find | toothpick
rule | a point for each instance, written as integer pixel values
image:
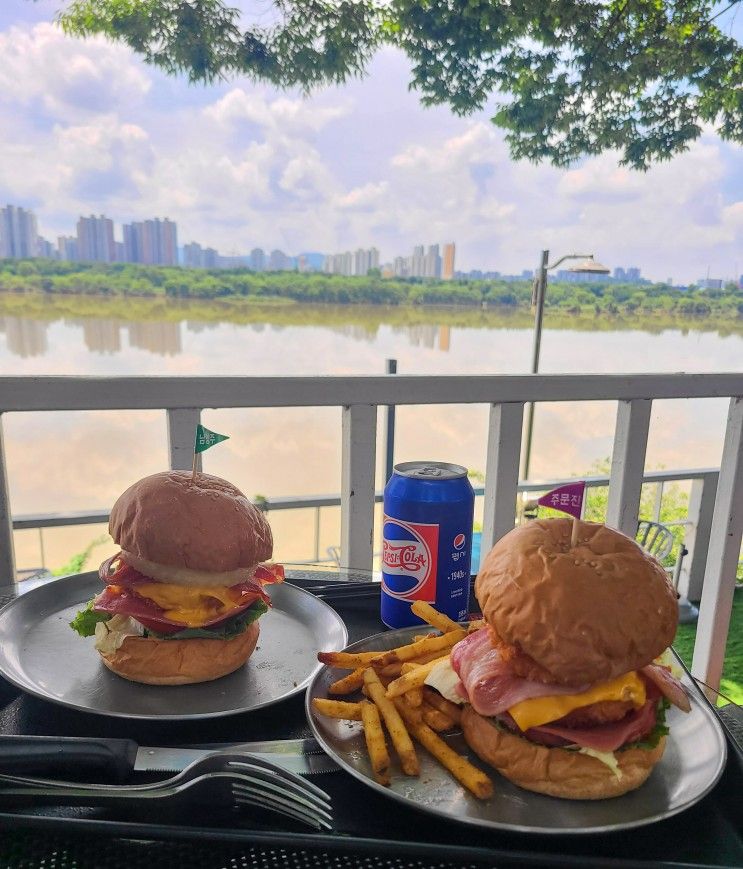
(193, 471)
(574, 535)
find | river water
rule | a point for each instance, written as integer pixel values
(77, 461)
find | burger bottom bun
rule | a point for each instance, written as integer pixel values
(555, 771)
(181, 662)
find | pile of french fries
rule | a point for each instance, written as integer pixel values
(396, 696)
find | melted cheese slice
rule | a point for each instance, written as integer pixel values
(192, 606)
(542, 710)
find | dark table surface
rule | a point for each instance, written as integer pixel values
(369, 830)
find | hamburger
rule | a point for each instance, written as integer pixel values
(567, 684)
(183, 596)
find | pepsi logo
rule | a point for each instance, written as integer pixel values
(459, 541)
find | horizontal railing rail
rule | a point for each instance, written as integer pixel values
(692, 570)
(183, 399)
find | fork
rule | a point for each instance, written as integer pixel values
(218, 761)
(254, 777)
(223, 789)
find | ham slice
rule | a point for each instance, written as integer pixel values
(128, 603)
(668, 685)
(603, 737)
(120, 596)
(488, 680)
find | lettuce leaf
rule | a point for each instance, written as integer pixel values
(224, 631)
(86, 620)
(661, 729)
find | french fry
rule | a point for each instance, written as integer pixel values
(440, 621)
(390, 670)
(395, 725)
(414, 650)
(348, 684)
(375, 744)
(418, 637)
(414, 678)
(347, 660)
(434, 718)
(463, 771)
(415, 696)
(475, 625)
(433, 698)
(337, 708)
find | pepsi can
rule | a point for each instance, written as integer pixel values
(426, 541)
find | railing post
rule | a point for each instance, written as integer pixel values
(628, 464)
(359, 433)
(389, 445)
(182, 422)
(696, 536)
(501, 472)
(317, 533)
(7, 552)
(724, 551)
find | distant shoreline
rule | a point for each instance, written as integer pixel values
(369, 318)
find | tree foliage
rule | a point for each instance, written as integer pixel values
(568, 77)
(601, 300)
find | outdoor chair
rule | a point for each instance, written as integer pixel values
(655, 538)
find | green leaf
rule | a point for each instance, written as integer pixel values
(653, 738)
(86, 620)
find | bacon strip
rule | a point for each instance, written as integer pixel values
(668, 685)
(489, 681)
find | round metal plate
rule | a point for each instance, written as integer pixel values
(42, 655)
(691, 765)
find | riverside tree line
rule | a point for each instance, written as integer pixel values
(123, 279)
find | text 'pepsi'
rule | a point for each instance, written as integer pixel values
(426, 541)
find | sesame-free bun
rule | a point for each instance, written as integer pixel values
(205, 524)
(180, 662)
(555, 771)
(585, 614)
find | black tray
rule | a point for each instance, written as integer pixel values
(368, 830)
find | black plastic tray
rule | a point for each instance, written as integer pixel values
(369, 830)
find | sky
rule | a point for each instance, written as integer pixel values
(87, 128)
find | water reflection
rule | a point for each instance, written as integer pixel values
(25, 337)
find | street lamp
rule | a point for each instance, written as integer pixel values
(587, 266)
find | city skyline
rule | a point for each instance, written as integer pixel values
(86, 127)
(155, 242)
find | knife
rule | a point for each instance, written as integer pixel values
(116, 759)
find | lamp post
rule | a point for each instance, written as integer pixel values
(588, 265)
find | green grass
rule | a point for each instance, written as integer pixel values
(732, 673)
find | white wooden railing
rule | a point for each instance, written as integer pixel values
(359, 397)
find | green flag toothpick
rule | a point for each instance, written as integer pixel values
(204, 440)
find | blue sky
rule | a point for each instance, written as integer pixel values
(85, 127)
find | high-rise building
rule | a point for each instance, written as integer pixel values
(432, 262)
(45, 249)
(278, 261)
(447, 266)
(619, 274)
(95, 239)
(417, 262)
(193, 256)
(257, 260)
(151, 242)
(67, 247)
(18, 233)
(633, 274)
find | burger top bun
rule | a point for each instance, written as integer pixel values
(207, 524)
(585, 614)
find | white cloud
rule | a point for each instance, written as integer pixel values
(85, 126)
(41, 66)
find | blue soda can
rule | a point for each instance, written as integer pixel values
(426, 541)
